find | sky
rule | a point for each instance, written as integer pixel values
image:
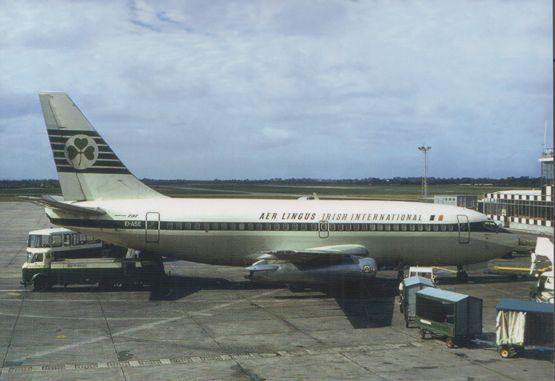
(266, 89)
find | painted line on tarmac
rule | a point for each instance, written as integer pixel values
(28, 316)
(138, 328)
(205, 358)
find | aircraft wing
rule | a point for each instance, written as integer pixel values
(54, 203)
(317, 265)
(335, 253)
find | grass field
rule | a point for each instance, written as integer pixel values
(407, 192)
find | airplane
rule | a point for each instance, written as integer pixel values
(301, 241)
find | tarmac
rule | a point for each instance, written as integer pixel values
(216, 325)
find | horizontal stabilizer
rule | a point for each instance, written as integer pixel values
(51, 202)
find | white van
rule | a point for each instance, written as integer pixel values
(424, 272)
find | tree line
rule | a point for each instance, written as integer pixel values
(523, 181)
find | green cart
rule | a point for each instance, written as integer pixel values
(453, 316)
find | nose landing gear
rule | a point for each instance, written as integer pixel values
(462, 276)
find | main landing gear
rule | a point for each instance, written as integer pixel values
(462, 276)
(400, 276)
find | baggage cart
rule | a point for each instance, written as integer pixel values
(456, 317)
(407, 303)
(522, 323)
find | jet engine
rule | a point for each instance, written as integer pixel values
(350, 269)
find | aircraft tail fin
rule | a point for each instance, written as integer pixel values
(87, 167)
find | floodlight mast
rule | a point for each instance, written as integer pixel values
(424, 148)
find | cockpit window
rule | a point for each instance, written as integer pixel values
(490, 226)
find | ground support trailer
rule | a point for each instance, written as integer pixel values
(522, 323)
(107, 272)
(456, 317)
(407, 296)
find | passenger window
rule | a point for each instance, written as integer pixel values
(314, 227)
(395, 227)
(443, 227)
(303, 227)
(372, 227)
(364, 227)
(213, 226)
(294, 226)
(387, 227)
(427, 227)
(379, 227)
(258, 226)
(275, 226)
(340, 227)
(205, 226)
(420, 227)
(67, 239)
(241, 226)
(450, 227)
(284, 226)
(356, 227)
(348, 227)
(169, 226)
(412, 227)
(187, 226)
(232, 226)
(435, 227)
(223, 226)
(178, 226)
(196, 226)
(403, 227)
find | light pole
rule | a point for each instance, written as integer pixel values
(425, 149)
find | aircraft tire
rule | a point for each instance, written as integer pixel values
(296, 287)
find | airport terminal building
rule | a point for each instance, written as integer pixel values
(528, 210)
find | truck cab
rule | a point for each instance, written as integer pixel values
(543, 291)
(41, 246)
(423, 272)
(38, 259)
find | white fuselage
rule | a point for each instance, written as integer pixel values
(235, 232)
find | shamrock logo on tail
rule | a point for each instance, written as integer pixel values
(81, 151)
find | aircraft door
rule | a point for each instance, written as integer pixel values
(323, 229)
(152, 227)
(464, 228)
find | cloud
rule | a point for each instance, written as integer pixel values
(240, 89)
